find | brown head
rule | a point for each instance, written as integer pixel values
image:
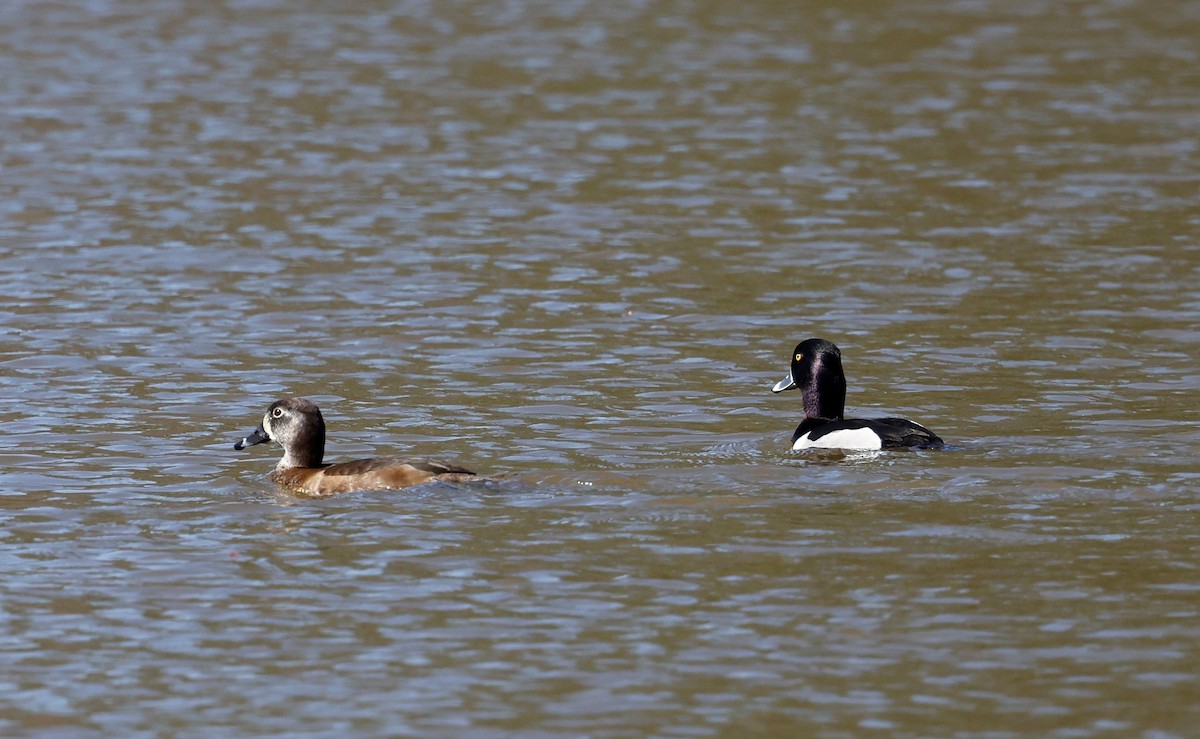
(297, 425)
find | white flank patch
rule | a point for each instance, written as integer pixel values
(863, 438)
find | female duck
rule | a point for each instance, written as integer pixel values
(298, 426)
(817, 371)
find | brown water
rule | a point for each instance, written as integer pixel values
(571, 244)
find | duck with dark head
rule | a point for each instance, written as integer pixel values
(816, 369)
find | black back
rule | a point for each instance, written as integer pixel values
(894, 433)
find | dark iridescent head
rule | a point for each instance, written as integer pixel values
(817, 371)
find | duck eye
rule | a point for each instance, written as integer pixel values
(277, 413)
(799, 357)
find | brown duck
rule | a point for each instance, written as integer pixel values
(297, 425)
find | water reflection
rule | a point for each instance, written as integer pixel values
(566, 243)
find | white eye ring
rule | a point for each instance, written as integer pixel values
(277, 413)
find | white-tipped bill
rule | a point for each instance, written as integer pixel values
(786, 383)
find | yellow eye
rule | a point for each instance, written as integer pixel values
(799, 357)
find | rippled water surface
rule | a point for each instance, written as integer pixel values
(571, 245)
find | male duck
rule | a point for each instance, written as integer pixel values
(297, 425)
(817, 371)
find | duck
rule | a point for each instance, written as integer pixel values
(816, 369)
(297, 425)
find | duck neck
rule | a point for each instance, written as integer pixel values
(825, 390)
(304, 450)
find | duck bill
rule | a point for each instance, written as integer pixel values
(786, 383)
(257, 436)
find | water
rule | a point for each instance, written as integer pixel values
(571, 245)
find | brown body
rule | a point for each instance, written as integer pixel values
(367, 474)
(298, 426)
